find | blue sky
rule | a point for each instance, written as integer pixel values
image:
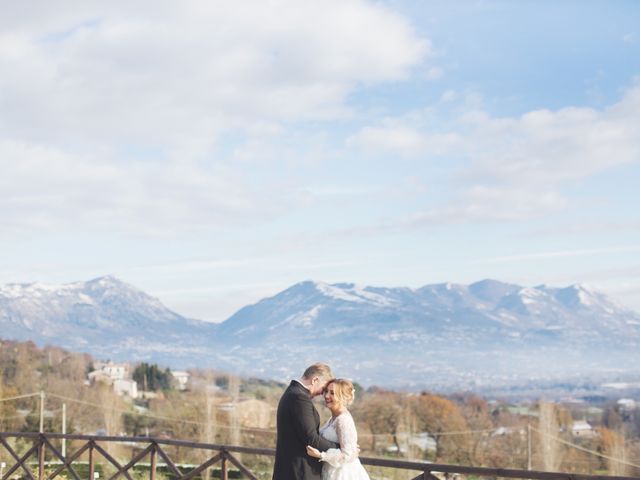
(215, 153)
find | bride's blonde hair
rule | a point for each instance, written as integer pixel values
(343, 389)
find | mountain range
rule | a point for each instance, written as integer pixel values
(443, 336)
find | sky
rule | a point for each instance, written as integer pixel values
(215, 153)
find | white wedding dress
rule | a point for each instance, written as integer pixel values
(342, 463)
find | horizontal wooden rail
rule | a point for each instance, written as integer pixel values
(223, 454)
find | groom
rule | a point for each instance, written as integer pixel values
(297, 425)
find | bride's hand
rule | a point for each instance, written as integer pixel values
(313, 452)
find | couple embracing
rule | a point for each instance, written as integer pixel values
(304, 451)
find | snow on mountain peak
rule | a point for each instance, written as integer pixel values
(584, 297)
(469, 325)
(530, 295)
(108, 283)
(530, 292)
(350, 292)
(304, 319)
(580, 296)
(492, 290)
(11, 290)
(39, 288)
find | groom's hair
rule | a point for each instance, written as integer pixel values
(321, 370)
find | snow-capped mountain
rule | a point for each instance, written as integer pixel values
(449, 335)
(439, 336)
(104, 316)
(483, 308)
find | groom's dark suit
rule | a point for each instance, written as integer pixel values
(298, 423)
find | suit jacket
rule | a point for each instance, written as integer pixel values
(297, 424)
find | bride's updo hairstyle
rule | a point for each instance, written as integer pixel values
(343, 389)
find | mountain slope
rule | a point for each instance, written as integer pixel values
(444, 336)
(104, 316)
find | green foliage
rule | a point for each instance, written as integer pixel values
(222, 382)
(152, 378)
(138, 425)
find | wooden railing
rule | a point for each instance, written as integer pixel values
(154, 448)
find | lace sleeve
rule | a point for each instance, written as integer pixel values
(348, 439)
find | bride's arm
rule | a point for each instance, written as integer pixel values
(348, 439)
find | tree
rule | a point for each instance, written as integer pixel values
(210, 425)
(613, 446)
(10, 420)
(551, 450)
(234, 393)
(152, 378)
(27, 359)
(475, 411)
(382, 414)
(612, 419)
(443, 420)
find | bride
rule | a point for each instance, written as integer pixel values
(342, 463)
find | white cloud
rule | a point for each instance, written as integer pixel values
(539, 147)
(546, 147)
(434, 73)
(563, 254)
(48, 189)
(581, 228)
(181, 75)
(448, 96)
(514, 167)
(404, 140)
(189, 91)
(265, 263)
(481, 204)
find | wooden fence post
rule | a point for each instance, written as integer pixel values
(41, 452)
(154, 462)
(224, 469)
(92, 463)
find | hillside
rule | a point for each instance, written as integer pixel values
(445, 336)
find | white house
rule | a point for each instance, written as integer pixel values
(626, 404)
(424, 442)
(126, 387)
(100, 376)
(117, 375)
(181, 378)
(113, 371)
(582, 428)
